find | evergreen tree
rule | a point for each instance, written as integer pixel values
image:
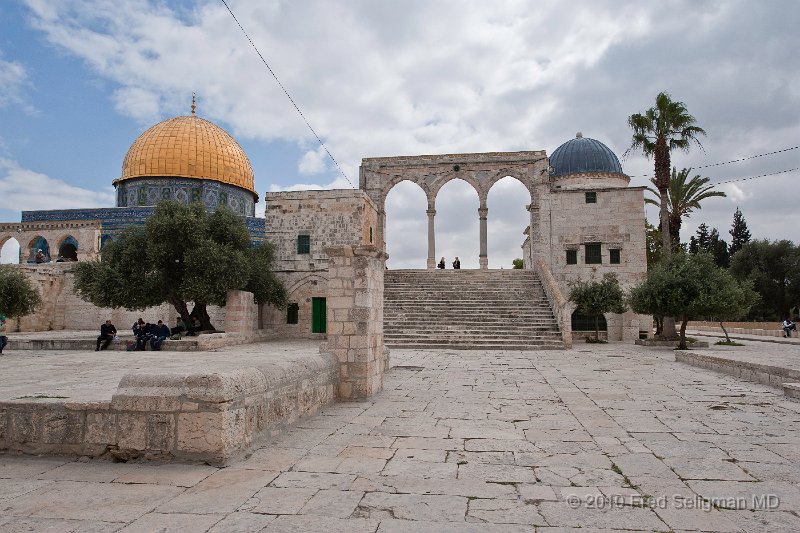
(702, 236)
(740, 235)
(718, 249)
(694, 247)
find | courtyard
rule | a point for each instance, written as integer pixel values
(600, 438)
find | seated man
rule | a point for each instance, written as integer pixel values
(160, 333)
(3, 338)
(107, 332)
(142, 331)
(179, 328)
(788, 327)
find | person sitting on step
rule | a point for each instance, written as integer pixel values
(441, 263)
(107, 333)
(160, 333)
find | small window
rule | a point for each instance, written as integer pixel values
(614, 256)
(292, 314)
(370, 234)
(572, 257)
(303, 244)
(593, 256)
(591, 197)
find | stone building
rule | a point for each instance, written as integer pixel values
(585, 220)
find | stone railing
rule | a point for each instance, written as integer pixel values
(194, 416)
(766, 326)
(558, 302)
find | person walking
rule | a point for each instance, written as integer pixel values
(457, 264)
(107, 333)
(441, 263)
(3, 338)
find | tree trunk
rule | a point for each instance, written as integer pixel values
(661, 159)
(659, 325)
(201, 313)
(725, 331)
(682, 343)
(596, 328)
(182, 309)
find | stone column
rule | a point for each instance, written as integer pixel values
(355, 319)
(431, 239)
(241, 313)
(483, 258)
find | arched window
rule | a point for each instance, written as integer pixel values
(68, 249)
(38, 244)
(583, 322)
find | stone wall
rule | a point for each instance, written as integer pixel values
(209, 417)
(562, 220)
(329, 218)
(85, 233)
(62, 309)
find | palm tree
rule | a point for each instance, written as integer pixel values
(683, 197)
(657, 132)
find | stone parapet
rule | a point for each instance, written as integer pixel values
(774, 376)
(202, 416)
(355, 319)
(558, 303)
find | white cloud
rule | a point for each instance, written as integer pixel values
(13, 81)
(22, 189)
(313, 162)
(388, 78)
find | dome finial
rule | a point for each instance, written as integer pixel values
(579, 135)
(194, 104)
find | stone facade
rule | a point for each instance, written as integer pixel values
(327, 218)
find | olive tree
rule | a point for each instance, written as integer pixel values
(595, 298)
(181, 254)
(18, 296)
(690, 287)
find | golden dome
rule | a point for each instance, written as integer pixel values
(188, 147)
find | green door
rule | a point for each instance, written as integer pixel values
(319, 315)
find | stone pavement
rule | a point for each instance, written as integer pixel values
(599, 438)
(772, 351)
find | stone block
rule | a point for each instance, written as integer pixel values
(25, 427)
(160, 432)
(215, 436)
(62, 427)
(101, 428)
(132, 431)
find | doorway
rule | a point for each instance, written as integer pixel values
(319, 315)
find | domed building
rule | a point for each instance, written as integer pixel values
(187, 159)
(586, 162)
(184, 158)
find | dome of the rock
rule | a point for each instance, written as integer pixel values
(582, 155)
(188, 147)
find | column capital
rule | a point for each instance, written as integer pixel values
(483, 212)
(431, 212)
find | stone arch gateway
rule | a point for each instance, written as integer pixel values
(378, 175)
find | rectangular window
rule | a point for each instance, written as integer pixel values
(591, 197)
(593, 253)
(614, 256)
(304, 244)
(572, 257)
(292, 314)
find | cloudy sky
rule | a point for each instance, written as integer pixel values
(81, 79)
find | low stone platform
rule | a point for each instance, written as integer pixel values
(669, 344)
(87, 341)
(777, 367)
(206, 407)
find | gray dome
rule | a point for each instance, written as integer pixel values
(580, 155)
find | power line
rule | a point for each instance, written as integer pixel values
(732, 161)
(756, 177)
(287, 94)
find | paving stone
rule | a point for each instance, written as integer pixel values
(96, 471)
(20, 487)
(314, 480)
(504, 512)
(316, 524)
(179, 475)
(275, 500)
(497, 473)
(617, 517)
(222, 492)
(110, 502)
(16, 524)
(333, 503)
(380, 505)
(172, 523)
(407, 526)
(242, 521)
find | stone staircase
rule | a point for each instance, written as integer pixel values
(468, 309)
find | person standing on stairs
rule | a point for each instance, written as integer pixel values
(457, 264)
